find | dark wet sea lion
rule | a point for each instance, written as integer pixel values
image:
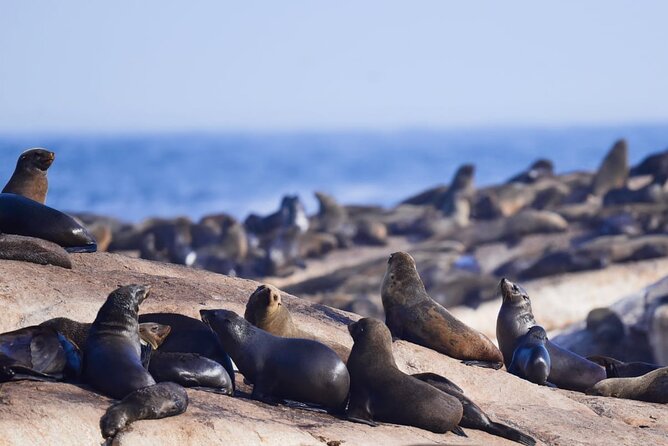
(33, 250)
(29, 177)
(473, 416)
(281, 368)
(655, 164)
(614, 170)
(651, 387)
(568, 370)
(150, 403)
(530, 360)
(39, 354)
(189, 335)
(379, 391)
(265, 310)
(190, 370)
(23, 216)
(619, 369)
(412, 315)
(542, 168)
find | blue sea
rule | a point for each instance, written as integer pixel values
(135, 176)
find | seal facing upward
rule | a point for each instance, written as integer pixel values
(29, 177)
(411, 314)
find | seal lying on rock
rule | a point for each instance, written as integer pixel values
(265, 310)
(619, 369)
(473, 416)
(412, 315)
(38, 354)
(33, 250)
(531, 361)
(29, 177)
(22, 216)
(112, 365)
(651, 387)
(281, 368)
(379, 391)
(568, 370)
(191, 370)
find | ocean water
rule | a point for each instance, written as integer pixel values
(133, 177)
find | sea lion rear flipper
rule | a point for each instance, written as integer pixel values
(458, 431)
(484, 364)
(501, 430)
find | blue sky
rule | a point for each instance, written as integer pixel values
(297, 65)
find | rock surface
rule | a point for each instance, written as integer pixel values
(40, 413)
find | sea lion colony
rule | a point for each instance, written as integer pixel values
(147, 367)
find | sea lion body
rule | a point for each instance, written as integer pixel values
(33, 250)
(531, 360)
(651, 387)
(265, 310)
(379, 391)
(568, 370)
(23, 216)
(613, 171)
(29, 177)
(412, 315)
(112, 363)
(281, 368)
(39, 354)
(619, 369)
(190, 370)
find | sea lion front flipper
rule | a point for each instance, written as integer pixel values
(550, 385)
(304, 406)
(459, 431)
(81, 249)
(227, 392)
(484, 364)
(362, 421)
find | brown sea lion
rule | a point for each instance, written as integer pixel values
(379, 391)
(614, 170)
(651, 387)
(33, 250)
(29, 177)
(414, 316)
(265, 310)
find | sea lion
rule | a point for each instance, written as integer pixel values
(651, 387)
(605, 325)
(150, 403)
(189, 335)
(412, 315)
(658, 331)
(191, 370)
(473, 416)
(614, 170)
(379, 391)
(112, 351)
(655, 164)
(542, 168)
(38, 354)
(568, 370)
(300, 370)
(33, 250)
(265, 310)
(530, 360)
(22, 216)
(331, 217)
(291, 212)
(29, 177)
(456, 201)
(619, 369)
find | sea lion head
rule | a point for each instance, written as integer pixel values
(230, 328)
(154, 333)
(513, 294)
(610, 387)
(371, 336)
(263, 303)
(35, 159)
(129, 297)
(402, 283)
(537, 333)
(463, 178)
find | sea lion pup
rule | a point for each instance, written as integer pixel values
(265, 310)
(29, 177)
(619, 369)
(614, 170)
(379, 391)
(530, 360)
(568, 370)
(113, 367)
(38, 354)
(22, 216)
(299, 370)
(33, 250)
(473, 416)
(191, 370)
(412, 315)
(651, 387)
(189, 335)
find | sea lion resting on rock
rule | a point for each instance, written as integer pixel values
(568, 370)
(531, 361)
(412, 315)
(619, 369)
(651, 387)
(23, 216)
(379, 391)
(265, 310)
(300, 370)
(33, 250)
(38, 354)
(112, 365)
(29, 177)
